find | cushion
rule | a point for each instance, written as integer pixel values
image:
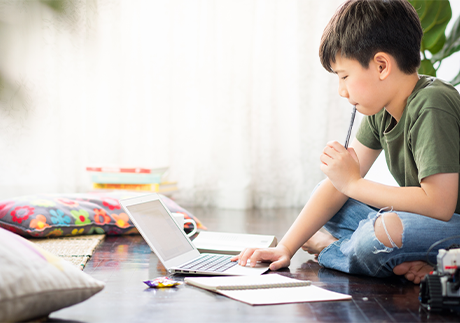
(34, 283)
(54, 215)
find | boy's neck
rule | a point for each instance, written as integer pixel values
(402, 87)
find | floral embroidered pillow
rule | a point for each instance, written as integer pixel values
(55, 215)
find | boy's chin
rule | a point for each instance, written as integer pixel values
(368, 112)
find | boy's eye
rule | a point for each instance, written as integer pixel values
(344, 77)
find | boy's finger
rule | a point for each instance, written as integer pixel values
(329, 151)
(255, 258)
(235, 258)
(262, 255)
(325, 159)
(244, 256)
(274, 266)
(335, 145)
(241, 256)
(277, 265)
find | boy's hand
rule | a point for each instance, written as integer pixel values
(279, 257)
(340, 165)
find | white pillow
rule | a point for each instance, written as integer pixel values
(34, 283)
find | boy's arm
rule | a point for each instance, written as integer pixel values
(436, 198)
(325, 202)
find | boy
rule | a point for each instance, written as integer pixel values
(374, 48)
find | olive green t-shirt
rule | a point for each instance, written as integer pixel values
(426, 141)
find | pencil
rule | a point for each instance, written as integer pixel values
(353, 113)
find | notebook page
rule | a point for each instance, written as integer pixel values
(284, 295)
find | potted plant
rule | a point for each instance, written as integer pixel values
(436, 46)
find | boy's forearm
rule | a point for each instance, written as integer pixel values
(408, 199)
(322, 206)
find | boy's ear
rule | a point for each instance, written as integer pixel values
(383, 64)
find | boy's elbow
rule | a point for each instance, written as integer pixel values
(440, 209)
(443, 213)
(446, 217)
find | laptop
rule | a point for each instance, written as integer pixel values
(172, 246)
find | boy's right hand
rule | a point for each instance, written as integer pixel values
(279, 257)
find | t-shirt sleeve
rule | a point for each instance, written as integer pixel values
(368, 134)
(434, 143)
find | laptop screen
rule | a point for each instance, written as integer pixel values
(160, 229)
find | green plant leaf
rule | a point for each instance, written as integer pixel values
(435, 22)
(420, 6)
(56, 5)
(431, 38)
(452, 43)
(426, 68)
(429, 16)
(437, 47)
(456, 80)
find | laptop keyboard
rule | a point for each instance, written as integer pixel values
(212, 263)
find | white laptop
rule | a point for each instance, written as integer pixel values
(172, 246)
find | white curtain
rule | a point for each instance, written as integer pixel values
(230, 94)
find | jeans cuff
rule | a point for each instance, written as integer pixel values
(324, 251)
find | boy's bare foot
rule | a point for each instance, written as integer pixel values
(414, 271)
(318, 242)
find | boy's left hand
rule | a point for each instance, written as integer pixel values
(340, 165)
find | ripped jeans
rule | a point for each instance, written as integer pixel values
(358, 251)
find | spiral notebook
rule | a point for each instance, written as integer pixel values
(266, 289)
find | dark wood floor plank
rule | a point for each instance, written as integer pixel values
(124, 262)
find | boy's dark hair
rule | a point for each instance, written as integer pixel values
(361, 28)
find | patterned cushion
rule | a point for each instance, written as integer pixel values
(55, 215)
(34, 283)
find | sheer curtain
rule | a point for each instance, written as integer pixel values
(229, 94)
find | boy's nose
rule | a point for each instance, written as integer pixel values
(343, 92)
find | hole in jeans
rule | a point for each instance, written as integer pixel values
(389, 229)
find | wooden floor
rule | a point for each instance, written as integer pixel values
(124, 262)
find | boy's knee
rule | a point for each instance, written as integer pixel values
(388, 227)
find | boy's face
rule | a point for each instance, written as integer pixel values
(362, 87)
